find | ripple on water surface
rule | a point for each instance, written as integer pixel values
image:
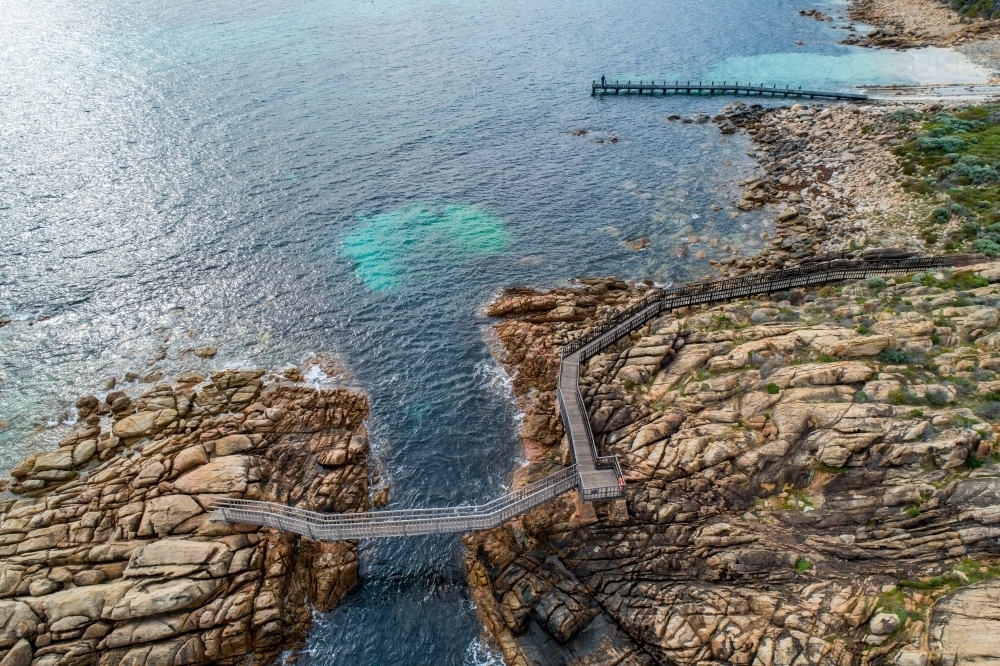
(283, 177)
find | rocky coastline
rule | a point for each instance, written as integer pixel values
(812, 479)
(917, 23)
(107, 552)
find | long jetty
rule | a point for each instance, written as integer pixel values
(713, 88)
(596, 477)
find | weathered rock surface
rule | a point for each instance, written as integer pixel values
(917, 23)
(786, 483)
(965, 626)
(109, 557)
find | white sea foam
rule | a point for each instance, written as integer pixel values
(491, 376)
(481, 653)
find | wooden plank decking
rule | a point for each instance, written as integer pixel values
(616, 87)
(597, 477)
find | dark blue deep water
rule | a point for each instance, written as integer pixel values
(359, 178)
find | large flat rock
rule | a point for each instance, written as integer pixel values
(965, 626)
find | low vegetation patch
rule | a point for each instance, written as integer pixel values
(955, 158)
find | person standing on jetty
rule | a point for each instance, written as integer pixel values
(602, 79)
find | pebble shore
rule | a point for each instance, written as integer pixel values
(830, 178)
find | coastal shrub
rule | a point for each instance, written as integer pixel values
(940, 215)
(788, 314)
(892, 356)
(970, 228)
(773, 389)
(904, 396)
(946, 124)
(861, 397)
(988, 410)
(979, 175)
(928, 280)
(963, 386)
(937, 397)
(987, 246)
(965, 280)
(803, 565)
(758, 316)
(721, 322)
(904, 116)
(981, 375)
(876, 283)
(944, 144)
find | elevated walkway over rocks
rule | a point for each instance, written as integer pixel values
(596, 477)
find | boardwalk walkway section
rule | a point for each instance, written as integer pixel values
(713, 88)
(597, 477)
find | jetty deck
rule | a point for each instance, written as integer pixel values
(596, 477)
(714, 88)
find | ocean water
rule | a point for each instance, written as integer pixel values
(358, 178)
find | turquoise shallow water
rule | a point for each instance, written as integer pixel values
(359, 178)
(399, 246)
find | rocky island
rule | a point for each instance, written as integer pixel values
(108, 554)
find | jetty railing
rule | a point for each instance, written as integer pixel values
(403, 522)
(713, 88)
(597, 477)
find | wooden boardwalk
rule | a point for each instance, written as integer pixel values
(597, 477)
(725, 88)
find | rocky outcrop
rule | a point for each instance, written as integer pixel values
(830, 178)
(805, 482)
(917, 23)
(107, 552)
(965, 627)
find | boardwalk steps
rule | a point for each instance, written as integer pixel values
(713, 88)
(597, 477)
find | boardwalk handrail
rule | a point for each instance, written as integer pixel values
(724, 88)
(405, 522)
(597, 477)
(750, 284)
